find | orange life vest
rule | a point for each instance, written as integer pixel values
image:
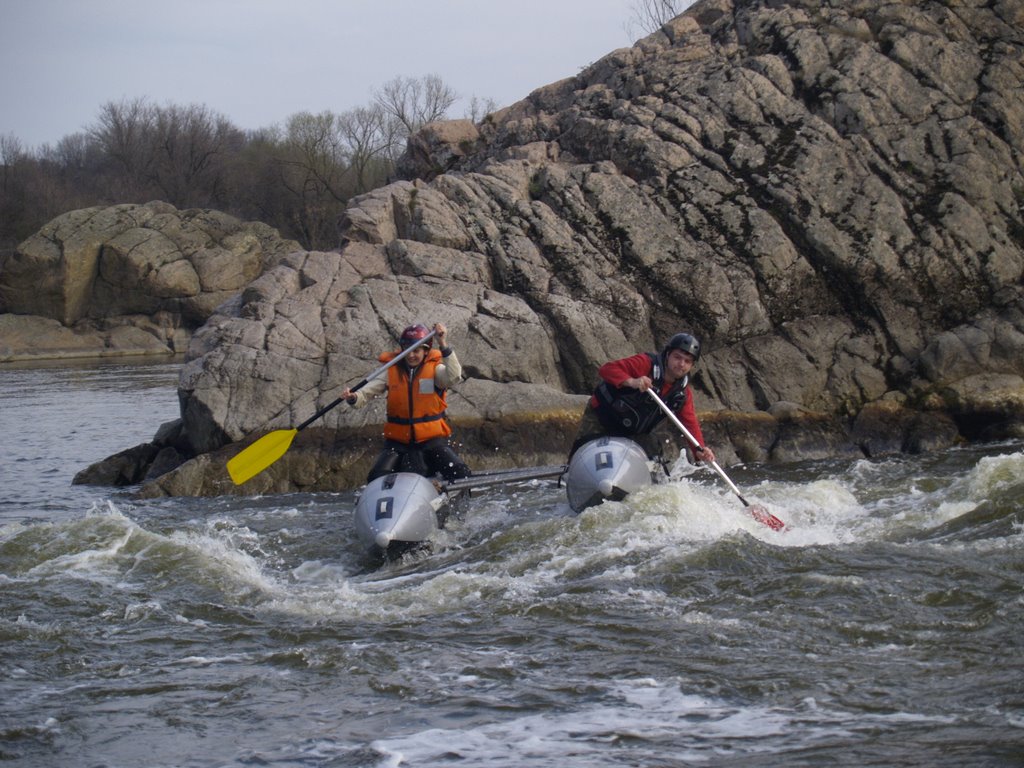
(416, 407)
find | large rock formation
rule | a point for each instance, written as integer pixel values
(828, 192)
(126, 279)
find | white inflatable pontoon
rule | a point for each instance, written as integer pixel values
(606, 468)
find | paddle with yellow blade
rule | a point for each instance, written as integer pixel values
(272, 446)
(759, 513)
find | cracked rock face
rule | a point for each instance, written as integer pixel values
(828, 193)
(126, 279)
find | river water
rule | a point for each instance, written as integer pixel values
(882, 628)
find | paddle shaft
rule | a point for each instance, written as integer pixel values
(695, 444)
(367, 380)
(273, 445)
(485, 479)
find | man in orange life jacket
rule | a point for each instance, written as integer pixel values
(619, 408)
(417, 430)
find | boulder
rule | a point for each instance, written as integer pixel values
(127, 279)
(437, 147)
(827, 193)
(26, 338)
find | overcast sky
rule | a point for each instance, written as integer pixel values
(260, 61)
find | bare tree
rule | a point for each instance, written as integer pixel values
(11, 150)
(12, 155)
(363, 131)
(296, 178)
(255, 187)
(75, 152)
(13, 204)
(479, 108)
(122, 132)
(313, 171)
(318, 152)
(409, 104)
(189, 147)
(650, 15)
(414, 103)
(69, 175)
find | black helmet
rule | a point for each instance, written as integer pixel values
(414, 333)
(684, 342)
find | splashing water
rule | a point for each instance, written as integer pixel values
(881, 626)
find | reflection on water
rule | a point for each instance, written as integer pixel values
(58, 420)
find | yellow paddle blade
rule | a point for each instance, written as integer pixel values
(260, 455)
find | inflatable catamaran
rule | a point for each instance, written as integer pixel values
(403, 509)
(399, 511)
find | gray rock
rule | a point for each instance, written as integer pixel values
(437, 147)
(828, 193)
(127, 279)
(27, 338)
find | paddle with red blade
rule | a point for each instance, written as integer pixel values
(758, 512)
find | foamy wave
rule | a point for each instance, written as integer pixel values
(645, 717)
(107, 546)
(996, 475)
(530, 563)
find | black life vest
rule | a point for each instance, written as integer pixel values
(627, 411)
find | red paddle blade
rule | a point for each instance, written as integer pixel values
(765, 517)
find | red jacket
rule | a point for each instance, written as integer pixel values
(617, 371)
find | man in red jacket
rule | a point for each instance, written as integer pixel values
(619, 407)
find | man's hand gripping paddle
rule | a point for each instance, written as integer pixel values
(759, 513)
